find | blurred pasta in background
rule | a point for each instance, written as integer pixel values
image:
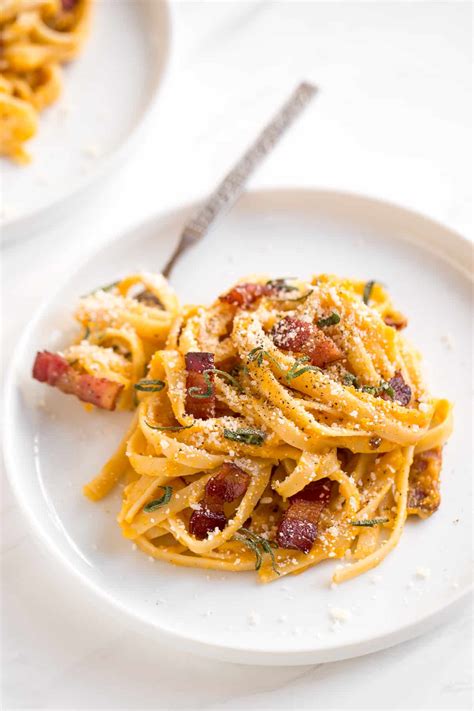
(36, 37)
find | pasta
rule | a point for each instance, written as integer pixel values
(285, 424)
(36, 37)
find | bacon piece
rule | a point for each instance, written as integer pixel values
(423, 483)
(299, 526)
(402, 391)
(68, 5)
(203, 521)
(200, 407)
(294, 334)
(229, 483)
(322, 350)
(244, 295)
(53, 369)
(291, 334)
(396, 320)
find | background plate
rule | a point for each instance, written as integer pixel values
(107, 91)
(52, 446)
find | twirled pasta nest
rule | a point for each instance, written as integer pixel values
(285, 424)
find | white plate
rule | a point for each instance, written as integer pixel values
(107, 91)
(51, 452)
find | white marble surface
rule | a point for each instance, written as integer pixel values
(392, 120)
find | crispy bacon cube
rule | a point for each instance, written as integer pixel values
(244, 295)
(199, 404)
(298, 528)
(53, 369)
(423, 483)
(396, 320)
(204, 521)
(228, 484)
(295, 334)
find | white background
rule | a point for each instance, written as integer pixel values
(392, 120)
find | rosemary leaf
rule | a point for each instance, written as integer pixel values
(295, 371)
(245, 436)
(149, 386)
(302, 297)
(331, 320)
(162, 501)
(169, 428)
(228, 376)
(282, 284)
(197, 392)
(258, 354)
(370, 522)
(369, 285)
(350, 379)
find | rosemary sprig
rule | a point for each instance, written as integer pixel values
(370, 522)
(369, 285)
(258, 545)
(295, 371)
(149, 386)
(245, 435)
(331, 320)
(197, 393)
(162, 501)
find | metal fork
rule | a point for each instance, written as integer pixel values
(232, 185)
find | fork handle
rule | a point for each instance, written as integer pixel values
(232, 185)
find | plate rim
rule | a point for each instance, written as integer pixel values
(11, 229)
(235, 653)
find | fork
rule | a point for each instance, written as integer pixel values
(232, 185)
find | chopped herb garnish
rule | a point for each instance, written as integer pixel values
(350, 379)
(246, 435)
(295, 371)
(258, 354)
(329, 321)
(87, 333)
(378, 390)
(162, 501)
(370, 389)
(370, 522)
(369, 285)
(258, 545)
(303, 297)
(197, 392)
(228, 376)
(149, 386)
(169, 428)
(237, 369)
(386, 388)
(282, 285)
